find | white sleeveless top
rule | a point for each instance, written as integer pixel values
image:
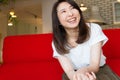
(80, 55)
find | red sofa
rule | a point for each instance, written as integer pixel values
(29, 57)
(112, 49)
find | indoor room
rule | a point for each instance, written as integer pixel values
(26, 29)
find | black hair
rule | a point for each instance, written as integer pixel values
(59, 33)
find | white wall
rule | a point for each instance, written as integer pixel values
(46, 15)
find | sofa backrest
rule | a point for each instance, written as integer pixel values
(112, 48)
(27, 48)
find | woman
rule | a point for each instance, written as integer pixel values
(78, 45)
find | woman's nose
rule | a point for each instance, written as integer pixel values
(70, 13)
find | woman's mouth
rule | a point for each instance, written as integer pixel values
(72, 20)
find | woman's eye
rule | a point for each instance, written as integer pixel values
(63, 11)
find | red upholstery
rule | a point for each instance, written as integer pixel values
(46, 70)
(112, 49)
(27, 48)
(29, 57)
(113, 45)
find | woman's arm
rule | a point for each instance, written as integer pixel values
(94, 62)
(72, 75)
(95, 56)
(67, 66)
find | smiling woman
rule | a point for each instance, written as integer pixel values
(77, 45)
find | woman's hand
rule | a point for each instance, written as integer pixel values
(91, 76)
(86, 76)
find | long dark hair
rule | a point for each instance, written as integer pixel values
(59, 33)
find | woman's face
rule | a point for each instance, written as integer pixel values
(68, 16)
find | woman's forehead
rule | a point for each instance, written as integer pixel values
(63, 5)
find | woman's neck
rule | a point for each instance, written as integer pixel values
(72, 36)
(72, 33)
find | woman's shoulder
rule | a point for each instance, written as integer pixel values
(94, 26)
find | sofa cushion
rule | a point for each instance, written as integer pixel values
(27, 48)
(31, 71)
(112, 47)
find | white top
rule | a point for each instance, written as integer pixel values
(80, 55)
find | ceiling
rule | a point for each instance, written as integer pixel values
(24, 9)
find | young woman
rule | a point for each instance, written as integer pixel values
(78, 45)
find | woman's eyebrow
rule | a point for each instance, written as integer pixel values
(65, 8)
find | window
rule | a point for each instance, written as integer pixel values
(116, 12)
